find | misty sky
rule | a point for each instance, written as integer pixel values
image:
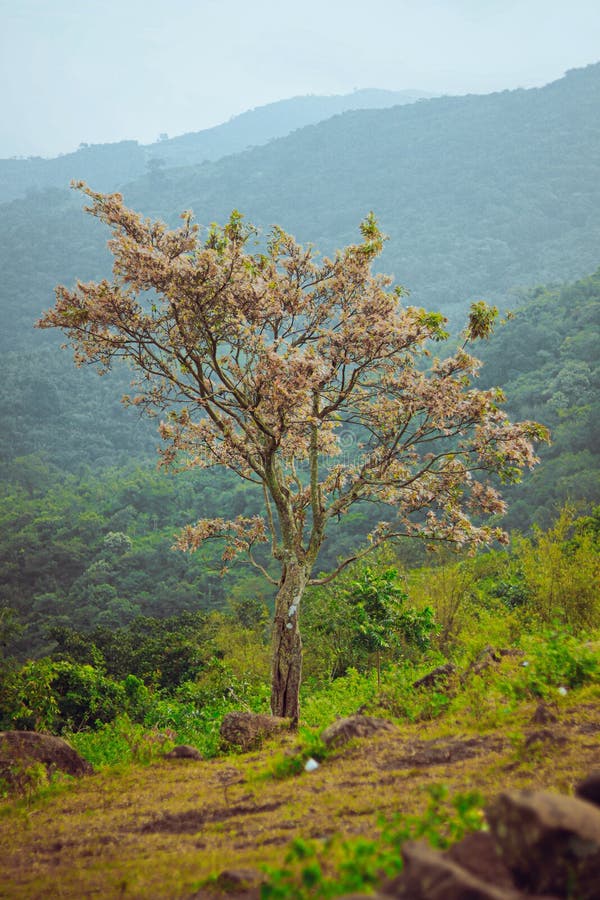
(104, 70)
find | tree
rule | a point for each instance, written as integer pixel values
(305, 377)
(379, 618)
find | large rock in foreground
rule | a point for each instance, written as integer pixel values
(430, 875)
(19, 750)
(551, 843)
(248, 730)
(541, 846)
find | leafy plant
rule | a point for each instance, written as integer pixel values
(380, 619)
(557, 659)
(293, 762)
(334, 867)
(560, 570)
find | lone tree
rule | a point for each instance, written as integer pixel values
(262, 358)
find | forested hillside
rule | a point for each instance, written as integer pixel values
(479, 195)
(93, 547)
(109, 165)
(547, 359)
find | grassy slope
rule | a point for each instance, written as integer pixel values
(163, 830)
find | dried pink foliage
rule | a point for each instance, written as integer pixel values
(305, 376)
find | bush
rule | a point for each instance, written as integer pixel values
(557, 659)
(561, 568)
(52, 696)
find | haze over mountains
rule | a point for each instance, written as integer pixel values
(482, 196)
(479, 194)
(108, 165)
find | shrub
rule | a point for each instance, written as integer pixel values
(561, 568)
(334, 867)
(557, 659)
(52, 696)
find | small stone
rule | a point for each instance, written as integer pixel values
(310, 765)
(238, 880)
(248, 730)
(344, 730)
(183, 751)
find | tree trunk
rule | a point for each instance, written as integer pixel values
(286, 673)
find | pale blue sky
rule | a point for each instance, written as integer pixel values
(105, 70)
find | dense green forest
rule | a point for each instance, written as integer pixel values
(87, 520)
(546, 360)
(126, 646)
(89, 543)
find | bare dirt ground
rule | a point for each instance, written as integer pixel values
(164, 830)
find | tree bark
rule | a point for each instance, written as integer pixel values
(286, 673)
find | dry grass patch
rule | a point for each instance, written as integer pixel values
(161, 831)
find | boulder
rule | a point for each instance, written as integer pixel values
(431, 875)
(235, 881)
(21, 749)
(344, 730)
(589, 789)
(435, 677)
(550, 842)
(478, 854)
(248, 730)
(183, 751)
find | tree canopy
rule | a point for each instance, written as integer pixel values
(306, 376)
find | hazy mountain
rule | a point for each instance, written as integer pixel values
(477, 193)
(109, 165)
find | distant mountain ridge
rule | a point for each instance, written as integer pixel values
(478, 193)
(109, 165)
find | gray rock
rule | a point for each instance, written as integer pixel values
(430, 875)
(344, 730)
(248, 730)
(183, 751)
(21, 749)
(550, 843)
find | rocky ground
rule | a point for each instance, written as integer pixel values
(183, 827)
